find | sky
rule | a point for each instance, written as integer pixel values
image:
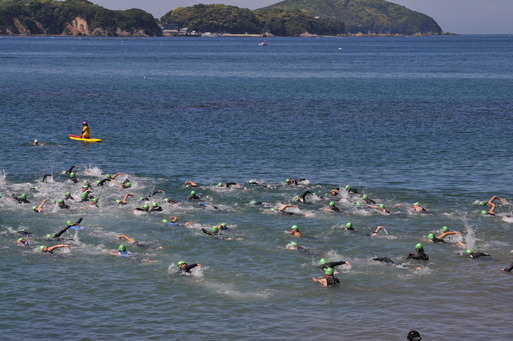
(456, 16)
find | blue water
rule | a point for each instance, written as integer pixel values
(400, 119)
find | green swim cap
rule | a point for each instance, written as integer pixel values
(42, 247)
(142, 198)
(24, 196)
(314, 194)
(287, 180)
(86, 186)
(180, 263)
(37, 187)
(293, 243)
(98, 181)
(332, 203)
(431, 236)
(365, 197)
(329, 271)
(68, 194)
(95, 199)
(322, 261)
(251, 182)
(128, 184)
(83, 195)
(85, 181)
(348, 187)
(468, 251)
(252, 202)
(445, 229)
(419, 246)
(49, 236)
(484, 211)
(69, 222)
(294, 227)
(118, 201)
(166, 199)
(482, 203)
(61, 200)
(417, 204)
(72, 175)
(220, 184)
(34, 208)
(146, 206)
(272, 209)
(223, 224)
(349, 225)
(122, 247)
(54, 201)
(215, 229)
(165, 221)
(21, 239)
(296, 198)
(358, 203)
(193, 192)
(155, 204)
(108, 176)
(382, 206)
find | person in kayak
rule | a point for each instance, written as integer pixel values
(85, 131)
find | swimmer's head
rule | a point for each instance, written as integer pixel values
(54, 201)
(146, 206)
(142, 198)
(220, 184)
(86, 186)
(296, 198)
(166, 199)
(42, 248)
(413, 336)
(95, 199)
(98, 181)
(84, 123)
(332, 204)
(365, 197)
(122, 248)
(358, 203)
(68, 194)
(165, 221)
(272, 209)
(128, 184)
(61, 201)
(482, 203)
(419, 246)
(215, 229)
(84, 195)
(34, 208)
(382, 206)
(293, 243)
(445, 229)
(193, 192)
(294, 227)
(252, 182)
(322, 261)
(48, 236)
(416, 204)
(431, 236)
(349, 225)
(108, 176)
(35, 141)
(180, 263)
(329, 271)
(24, 196)
(347, 187)
(287, 180)
(252, 202)
(223, 224)
(69, 222)
(468, 251)
(155, 204)
(72, 174)
(484, 211)
(118, 201)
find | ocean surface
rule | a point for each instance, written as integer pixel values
(402, 120)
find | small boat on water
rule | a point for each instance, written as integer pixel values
(263, 43)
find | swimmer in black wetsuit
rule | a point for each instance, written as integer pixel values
(193, 196)
(381, 207)
(67, 195)
(62, 204)
(440, 238)
(69, 223)
(184, 268)
(284, 207)
(297, 182)
(335, 191)
(294, 230)
(473, 254)
(351, 190)
(72, 178)
(509, 268)
(171, 201)
(331, 207)
(70, 170)
(22, 242)
(295, 246)
(24, 232)
(46, 176)
(44, 248)
(145, 208)
(324, 264)
(349, 227)
(419, 248)
(155, 207)
(85, 196)
(125, 184)
(367, 200)
(254, 183)
(124, 200)
(22, 199)
(109, 178)
(330, 280)
(215, 231)
(302, 197)
(149, 196)
(389, 261)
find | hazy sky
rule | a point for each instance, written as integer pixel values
(457, 16)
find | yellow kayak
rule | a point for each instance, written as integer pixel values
(78, 138)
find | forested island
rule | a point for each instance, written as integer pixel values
(287, 18)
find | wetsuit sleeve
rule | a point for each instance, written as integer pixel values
(189, 267)
(71, 169)
(333, 264)
(17, 199)
(61, 232)
(79, 221)
(207, 232)
(509, 268)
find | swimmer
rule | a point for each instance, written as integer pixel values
(67, 195)
(413, 336)
(445, 233)
(69, 223)
(190, 184)
(228, 185)
(330, 280)
(84, 197)
(489, 202)
(62, 204)
(37, 143)
(94, 202)
(419, 248)
(389, 261)
(22, 242)
(294, 230)
(124, 200)
(381, 208)
(295, 246)
(85, 131)
(509, 268)
(193, 196)
(254, 183)
(284, 207)
(22, 199)
(152, 194)
(324, 264)
(418, 208)
(171, 201)
(351, 190)
(109, 178)
(70, 170)
(302, 197)
(46, 176)
(184, 268)
(491, 211)
(473, 254)
(122, 252)
(174, 221)
(132, 240)
(44, 248)
(223, 226)
(335, 191)
(125, 184)
(145, 208)
(24, 232)
(331, 207)
(72, 178)
(215, 231)
(367, 200)
(297, 182)
(207, 205)
(349, 227)
(39, 209)
(155, 207)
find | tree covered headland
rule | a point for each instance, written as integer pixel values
(231, 19)
(57, 17)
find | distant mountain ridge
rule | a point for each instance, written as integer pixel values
(366, 16)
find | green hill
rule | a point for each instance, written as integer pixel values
(366, 16)
(73, 17)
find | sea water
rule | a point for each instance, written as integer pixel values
(424, 119)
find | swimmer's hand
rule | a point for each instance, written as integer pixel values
(348, 264)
